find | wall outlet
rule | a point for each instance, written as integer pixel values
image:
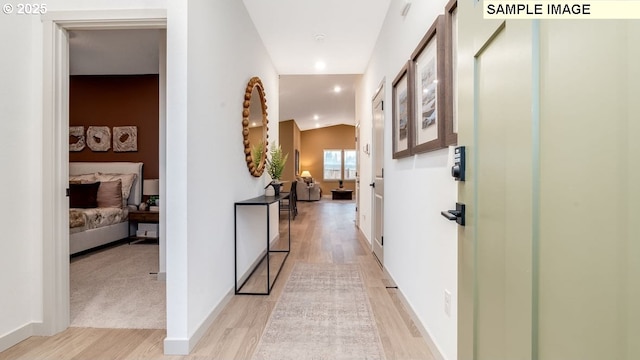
(447, 302)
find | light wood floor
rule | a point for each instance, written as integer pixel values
(323, 232)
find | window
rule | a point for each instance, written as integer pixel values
(332, 164)
(339, 165)
(350, 165)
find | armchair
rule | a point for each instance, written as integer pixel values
(308, 192)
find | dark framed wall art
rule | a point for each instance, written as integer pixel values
(402, 113)
(427, 67)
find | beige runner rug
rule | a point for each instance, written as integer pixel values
(323, 313)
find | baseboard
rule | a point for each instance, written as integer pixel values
(433, 347)
(14, 337)
(176, 346)
(435, 350)
(185, 346)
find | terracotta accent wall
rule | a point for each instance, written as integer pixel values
(314, 142)
(289, 137)
(121, 100)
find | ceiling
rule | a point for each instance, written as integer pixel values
(313, 102)
(299, 33)
(296, 34)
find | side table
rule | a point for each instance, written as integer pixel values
(136, 217)
(257, 220)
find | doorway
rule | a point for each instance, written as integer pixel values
(56, 313)
(114, 86)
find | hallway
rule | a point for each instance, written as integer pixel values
(323, 232)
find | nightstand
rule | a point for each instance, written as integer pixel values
(149, 217)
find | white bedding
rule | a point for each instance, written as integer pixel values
(99, 217)
(99, 226)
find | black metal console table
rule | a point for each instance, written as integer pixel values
(263, 258)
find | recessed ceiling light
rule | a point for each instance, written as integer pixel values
(316, 117)
(337, 88)
(320, 65)
(317, 125)
(253, 123)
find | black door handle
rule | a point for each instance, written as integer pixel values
(457, 214)
(373, 184)
(451, 214)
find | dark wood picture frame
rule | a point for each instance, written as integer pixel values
(450, 117)
(402, 111)
(429, 84)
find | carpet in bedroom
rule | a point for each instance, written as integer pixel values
(113, 288)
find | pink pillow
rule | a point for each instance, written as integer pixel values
(110, 194)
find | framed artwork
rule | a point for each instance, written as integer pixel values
(427, 70)
(451, 66)
(402, 113)
(99, 138)
(297, 163)
(76, 138)
(125, 138)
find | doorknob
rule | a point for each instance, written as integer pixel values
(373, 184)
(451, 214)
(457, 214)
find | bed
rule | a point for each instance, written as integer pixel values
(91, 225)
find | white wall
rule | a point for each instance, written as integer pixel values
(214, 51)
(420, 246)
(21, 161)
(20, 138)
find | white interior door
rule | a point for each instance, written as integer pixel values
(548, 261)
(378, 172)
(495, 248)
(358, 175)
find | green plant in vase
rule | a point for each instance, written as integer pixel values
(275, 165)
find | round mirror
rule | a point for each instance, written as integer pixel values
(254, 126)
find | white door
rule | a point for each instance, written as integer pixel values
(358, 175)
(503, 175)
(548, 262)
(378, 172)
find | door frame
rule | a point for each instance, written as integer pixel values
(55, 146)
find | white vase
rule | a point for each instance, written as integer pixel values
(269, 191)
